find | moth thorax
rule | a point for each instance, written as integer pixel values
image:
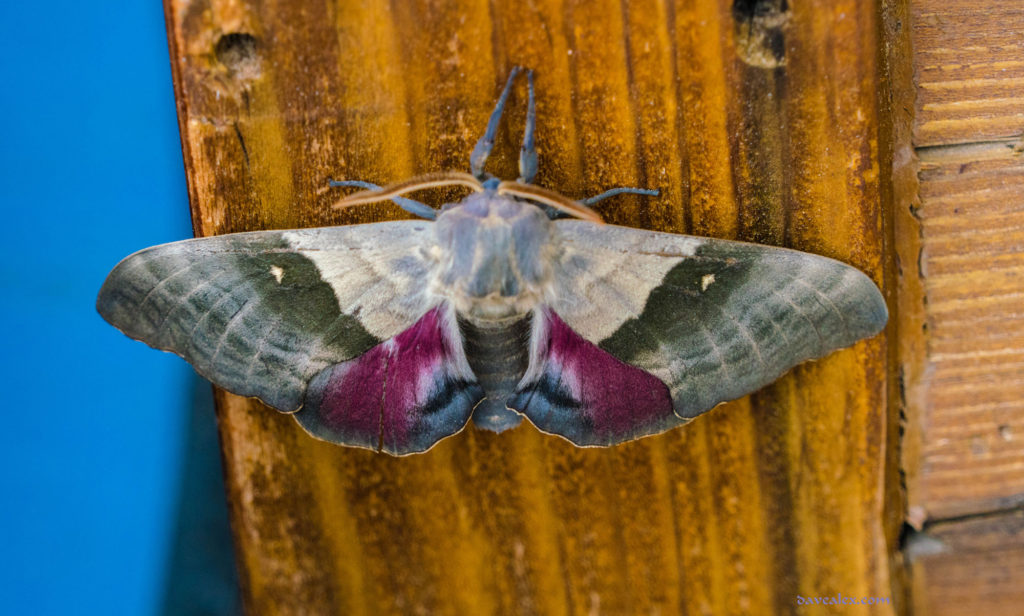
(495, 256)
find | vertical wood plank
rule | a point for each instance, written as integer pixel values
(755, 123)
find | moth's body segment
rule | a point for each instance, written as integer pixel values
(498, 352)
(391, 336)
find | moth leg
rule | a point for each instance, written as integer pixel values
(624, 190)
(483, 147)
(567, 207)
(414, 207)
(528, 153)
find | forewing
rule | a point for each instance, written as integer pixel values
(261, 313)
(712, 319)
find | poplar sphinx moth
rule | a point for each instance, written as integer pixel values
(515, 301)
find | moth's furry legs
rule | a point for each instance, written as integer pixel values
(391, 192)
(483, 147)
(528, 153)
(553, 202)
(624, 190)
(414, 207)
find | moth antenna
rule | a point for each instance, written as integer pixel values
(430, 180)
(550, 197)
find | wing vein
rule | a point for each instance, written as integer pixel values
(163, 281)
(826, 298)
(185, 300)
(259, 350)
(247, 305)
(711, 340)
(739, 326)
(821, 340)
(229, 294)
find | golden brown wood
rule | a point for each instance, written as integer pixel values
(906, 326)
(969, 63)
(777, 495)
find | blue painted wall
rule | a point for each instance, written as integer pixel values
(91, 171)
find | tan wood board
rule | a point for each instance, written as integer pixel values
(964, 461)
(969, 67)
(972, 222)
(971, 566)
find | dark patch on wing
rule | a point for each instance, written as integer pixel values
(765, 310)
(218, 298)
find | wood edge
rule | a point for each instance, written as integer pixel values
(903, 288)
(181, 104)
(231, 491)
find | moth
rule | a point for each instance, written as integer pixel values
(514, 302)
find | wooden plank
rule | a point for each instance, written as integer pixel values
(973, 566)
(754, 124)
(972, 226)
(969, 65)
(965, 384)
(908, 324)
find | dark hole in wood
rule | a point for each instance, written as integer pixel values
(760, 31)
(239, 52)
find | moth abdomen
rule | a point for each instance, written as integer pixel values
(499, 354)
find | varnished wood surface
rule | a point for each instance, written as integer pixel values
(907, 372)
(962, 300)
(969, 65)
(972, 221)
(970, 566)
(762, 127)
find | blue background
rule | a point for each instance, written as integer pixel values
(91, 171)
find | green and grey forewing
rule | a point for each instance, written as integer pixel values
(260, 313)
(605, 273)
(719, 319)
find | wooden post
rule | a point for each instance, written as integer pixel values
(756, 120)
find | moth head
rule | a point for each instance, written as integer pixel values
(494, 255)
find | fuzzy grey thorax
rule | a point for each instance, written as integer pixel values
(494, 256)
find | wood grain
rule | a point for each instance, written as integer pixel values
(969, 63)
(968, 409)
(961, 302)
(970, 566)
(760, 125)
(908, 373)
(972, 222)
